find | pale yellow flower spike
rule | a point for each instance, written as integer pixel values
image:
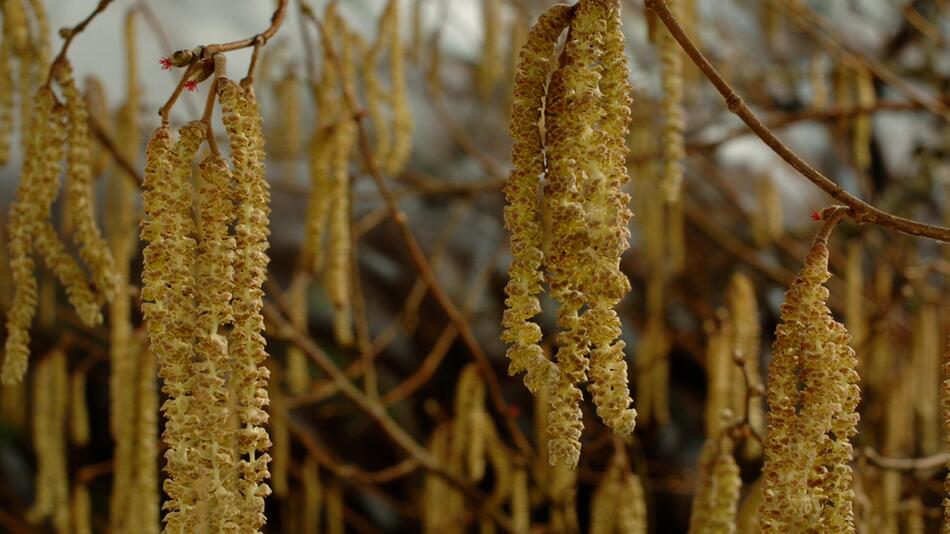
(50, 396)
(78, 409)
(94, 95)
(522, 213)
(288, 134)
(312, 496)
(80, 509)
(632, 516)
(402, 125)
(608, 220)
(373, 87)
(673, 146)
(489, 69)
(168, 294)
(571, 109)
(145, 499)
(813, 394)
(747, 333)
(945, 413)
(6, 89)
(92, 247)
(214, 274)
(30, 229)
(717, 498)
(242, 119)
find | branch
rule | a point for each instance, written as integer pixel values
(861, 211)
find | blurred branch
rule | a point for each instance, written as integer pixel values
(861, 211)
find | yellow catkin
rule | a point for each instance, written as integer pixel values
(334, 502)
(402, 122)
(127, 504)
(926, 361)
(437, 512)
(6, 277)
(416, 30)
(168, 292)
(94, 95)
(78, 409)
(522, 213)
(375, 92)
(30, 229)
(720, 375)
(14, 409)
(92, 247)
(80, 510)
(819, 82)
(609, 229)
(747, 520)
(50, 395)
(288, 134)
(569, 111)
(605, 504)
(280, 437)
(489, 69)
(862, 126)
(767, 223)
(717, 495)
(242, 119)
(297, 376)
(945, 415)
(319, 153)
(746, 330)
(467, 454)
(653, 369)
(813, 394)
(585, 172)
(145, 501)
(674, 123)
(520, 503)
(312, 497)
(855, 318)
(632, 515)
(6, 85)
(898, 438)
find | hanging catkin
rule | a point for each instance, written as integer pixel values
(926, 360)
(747, 387)
(855, 318)
(674, 123)
(945, 413)
(6, 83)
(520, 502)
(489, 69)
(242, 118)
(522, 213)
(168, 292)
(80, 510)
(214, 274)
(50, 395)
(717, 496)
(30, 229)
(287, 133)
(94, 95)
(312, 496)
(92, 247)
(145, 501)
(78, 409)
(813, 394)
(585, 169)
(767, 219)
(862, 126)
(720, 374)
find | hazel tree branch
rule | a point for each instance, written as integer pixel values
(861, 211)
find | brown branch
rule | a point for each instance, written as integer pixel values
(861, 211)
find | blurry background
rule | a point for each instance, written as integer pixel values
(451, 193)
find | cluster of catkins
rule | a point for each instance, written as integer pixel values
(202, 302)
(576, 164)
(55, 128)
(334, 140)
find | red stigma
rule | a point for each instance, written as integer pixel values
(815, 216)
(514, 410)
(191, 85)
(165, 63)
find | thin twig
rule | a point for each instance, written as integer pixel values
(69, 34)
